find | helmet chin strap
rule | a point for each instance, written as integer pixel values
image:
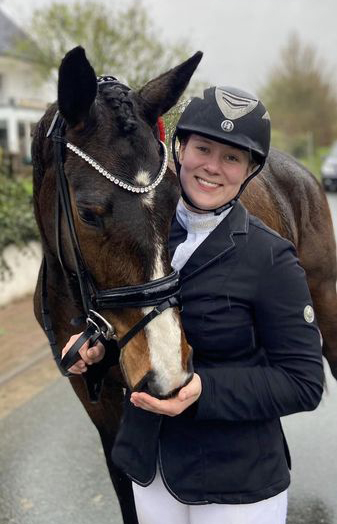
(217, 210)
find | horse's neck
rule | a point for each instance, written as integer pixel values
(262, 201)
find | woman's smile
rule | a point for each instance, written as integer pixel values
(207, 184)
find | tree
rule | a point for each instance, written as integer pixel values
(300, 96)
(119, 42)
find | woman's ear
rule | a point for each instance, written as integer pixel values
(181, 152)
(182, 148)
(251, 168)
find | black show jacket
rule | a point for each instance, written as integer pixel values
(258, 359)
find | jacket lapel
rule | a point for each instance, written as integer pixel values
(219, 243)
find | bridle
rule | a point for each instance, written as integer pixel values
(161, 293)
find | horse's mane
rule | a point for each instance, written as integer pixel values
(117, 96)
(40, 161)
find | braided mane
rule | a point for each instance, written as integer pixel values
(117, 95)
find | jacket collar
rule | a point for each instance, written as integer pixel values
(220, 242)
(238, 220)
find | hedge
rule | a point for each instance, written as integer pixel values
(17, 222)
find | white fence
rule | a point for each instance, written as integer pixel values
(24, 266)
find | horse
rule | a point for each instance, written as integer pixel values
(117, 236)
(104, 201)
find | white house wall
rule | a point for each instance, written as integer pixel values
(23, 99)
(21, 278)
(14, 115)
(22, 84)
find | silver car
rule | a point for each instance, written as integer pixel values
(329, 170)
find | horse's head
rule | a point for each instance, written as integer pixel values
(122, 234)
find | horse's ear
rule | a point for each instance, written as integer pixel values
(163, 92)
(77, 86)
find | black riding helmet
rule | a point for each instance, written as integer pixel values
(231, 116)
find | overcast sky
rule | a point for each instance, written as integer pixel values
(241, 39)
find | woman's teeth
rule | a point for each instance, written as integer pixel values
(206, 183)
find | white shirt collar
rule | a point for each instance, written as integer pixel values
(201, 223)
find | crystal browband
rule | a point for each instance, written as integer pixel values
(114, 179)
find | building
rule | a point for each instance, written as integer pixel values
(23, 97)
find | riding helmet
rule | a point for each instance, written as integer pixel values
(229, 115)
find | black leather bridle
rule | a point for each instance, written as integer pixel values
(161, 293)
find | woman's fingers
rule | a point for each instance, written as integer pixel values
(78, 368)
(93, 354)
(89, 355)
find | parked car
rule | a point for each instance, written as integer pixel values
(329, 170)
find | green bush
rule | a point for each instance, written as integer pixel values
(315, 161)
(17, 222)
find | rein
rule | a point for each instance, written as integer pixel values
(161, 293)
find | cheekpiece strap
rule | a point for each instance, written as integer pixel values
(171, 302)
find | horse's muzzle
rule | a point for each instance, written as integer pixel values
(150, 385)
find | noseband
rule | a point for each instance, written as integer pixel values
(161, 293)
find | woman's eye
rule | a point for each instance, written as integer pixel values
(202, 149)
(231, 158)
(88, 216)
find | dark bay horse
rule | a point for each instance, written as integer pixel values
(122, 235)
(104, 200)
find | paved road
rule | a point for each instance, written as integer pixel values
(332, 198)
(52, 466)
(52, 469)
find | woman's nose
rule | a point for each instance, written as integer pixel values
(213, 165)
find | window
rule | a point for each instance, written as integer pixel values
(3, 135)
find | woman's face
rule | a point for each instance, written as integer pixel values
(211, 173)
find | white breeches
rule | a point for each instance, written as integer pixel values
(155, 505)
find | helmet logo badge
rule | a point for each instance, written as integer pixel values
(234, 106)
(227, 125)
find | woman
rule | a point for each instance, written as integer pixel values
(216, 452)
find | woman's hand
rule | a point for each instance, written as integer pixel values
(172, 406)
(89, 355)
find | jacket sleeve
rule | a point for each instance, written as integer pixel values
(292, 378)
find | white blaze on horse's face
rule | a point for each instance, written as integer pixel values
(164, 332)
(164, 341)
(143, 178)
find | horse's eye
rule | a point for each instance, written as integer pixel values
(89, 217)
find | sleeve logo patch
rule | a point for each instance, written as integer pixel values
(309, 314)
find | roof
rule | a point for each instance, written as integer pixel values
(10, 33)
